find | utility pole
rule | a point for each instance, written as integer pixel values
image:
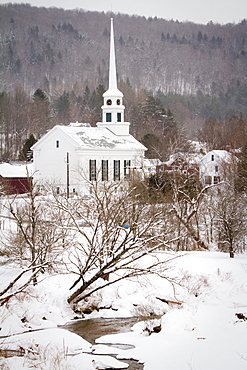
(67, 163)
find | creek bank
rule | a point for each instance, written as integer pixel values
(91, 329)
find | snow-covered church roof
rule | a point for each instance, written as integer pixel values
(101, 138)
(87, 137)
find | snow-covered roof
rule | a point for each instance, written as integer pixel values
(173, 157)
(222, 155)
(98, 138)
(152, 162)
(191, 158)
(16, 170)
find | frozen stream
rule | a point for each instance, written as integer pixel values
(92, 329)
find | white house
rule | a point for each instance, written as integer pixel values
(73, 156)
(214, 166)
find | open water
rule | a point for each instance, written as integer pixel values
(92, 329)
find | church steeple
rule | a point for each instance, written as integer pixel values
(113, 108)
(112, 63)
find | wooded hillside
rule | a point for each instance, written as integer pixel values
(57, 49)
(54, 69)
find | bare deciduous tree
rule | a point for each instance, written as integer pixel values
(114, 230)
(230, 220)
(35, 237)
(186, 200)
(21, 282)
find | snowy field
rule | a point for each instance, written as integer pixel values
(207, 331)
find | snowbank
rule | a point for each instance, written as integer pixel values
(203, 332)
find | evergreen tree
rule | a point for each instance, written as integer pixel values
(25, 153)
(199, 37)
(163, 38)
(170, 125)
(97, 100)
(86, 97)
(154, 145)
(40, 95)
(62, 107)
(40, 113)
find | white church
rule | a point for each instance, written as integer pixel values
(72, 157)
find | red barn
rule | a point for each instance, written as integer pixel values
(15, 178)
(178, 163)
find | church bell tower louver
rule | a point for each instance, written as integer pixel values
(113, 108)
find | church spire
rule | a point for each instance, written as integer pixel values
(112, 64)
(113, 108)
(112, 88)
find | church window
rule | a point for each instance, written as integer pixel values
(212, 157)
(104, 168)
(109, 102)
(118, 102)
(216, 168)
(58, 190)
(216, 179)
(108, 117)
(127, 169)
(92, 170)
(119, 117)
(116, 168)
(208, 180)
(57, 144)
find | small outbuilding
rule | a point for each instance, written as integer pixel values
(179, 162)
(15, 178)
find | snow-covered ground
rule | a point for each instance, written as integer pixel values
(202, 333)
